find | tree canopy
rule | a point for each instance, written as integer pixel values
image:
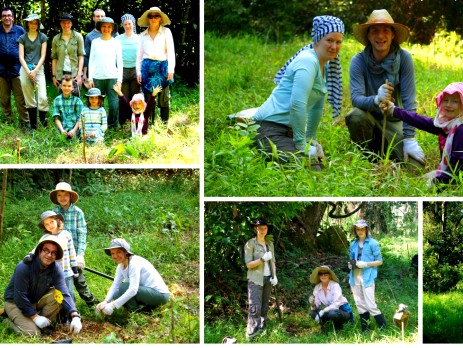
(184, 15)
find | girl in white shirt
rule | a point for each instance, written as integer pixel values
(136, 284)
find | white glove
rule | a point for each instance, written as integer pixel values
(319, 316)
(319, 149)
(76, 325)
(80, 261)
(41, 321)
(384, 92)
(361, 264)
(100, 306)
(267, 256)
(274, 281)
(349, 265)
(311, 152)
(109, 308)
(387, 107)
(413, 149)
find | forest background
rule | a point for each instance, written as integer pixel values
(307, 235)
(156, 211)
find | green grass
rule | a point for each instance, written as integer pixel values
(238, 74)
(178, 146)
(395, 284)
(442, 317)
(158, 216)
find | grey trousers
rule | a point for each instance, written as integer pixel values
(258, 297)
(144, 296)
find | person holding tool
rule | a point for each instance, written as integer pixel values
(259, 255)
(365, 256)
(327, 302)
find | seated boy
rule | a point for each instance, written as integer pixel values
(67, 108)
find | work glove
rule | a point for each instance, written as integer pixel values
(319, 316)
(319, 149)
(28, 258)
(100, 306)
(109, 308)
(310, 153)
(267, 256)
(361, 264)
(384, 92)
(274, 281)
(76, 325)
(41, 321)
(413, 149)
(80, 261)
(349, 265)
(75, 271)
(387, 107)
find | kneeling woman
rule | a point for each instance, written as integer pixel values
(327, 302)
(143, 286)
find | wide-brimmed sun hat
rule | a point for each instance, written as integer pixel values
(401, 32)
(361, 223)
(50, 239)
(315, 278)
(260, 222)
(143, 21)
(106, 20)
(67, 17)
(30, 18)
(47, 214)
(118, 243)
(63, 186)
(94, 92)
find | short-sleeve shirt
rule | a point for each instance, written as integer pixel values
(32, 49)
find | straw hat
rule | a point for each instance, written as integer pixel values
(143, 21)
(315, 279)
(63, 186)
(381, 17)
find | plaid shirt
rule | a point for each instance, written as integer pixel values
(74, 222)
(67, 110)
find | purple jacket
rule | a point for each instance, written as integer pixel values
(427, 124)
(9, 51)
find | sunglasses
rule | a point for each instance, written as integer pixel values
(150, 16)
(323, 273)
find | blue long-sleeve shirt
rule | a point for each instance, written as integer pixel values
(9, 51)
(371, 252)
(29, 283)
(364, 87)
(298, 99)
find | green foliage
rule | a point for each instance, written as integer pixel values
(238, 74)
(118, 203)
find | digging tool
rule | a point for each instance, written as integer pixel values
(383, 138)
(277, 301)
(98, 273)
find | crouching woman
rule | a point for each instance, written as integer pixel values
(327, 302)
(137, 283)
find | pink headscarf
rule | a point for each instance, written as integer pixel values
(136, 127)
(454, 87)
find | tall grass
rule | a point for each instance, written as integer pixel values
(239, 74)
(177, 143)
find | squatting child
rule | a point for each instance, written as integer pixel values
(93, 117)
(67, 109)
(447, 125)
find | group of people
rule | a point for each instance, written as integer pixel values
(42, 286)
(327, 302)
(126, 69)
(382, 91)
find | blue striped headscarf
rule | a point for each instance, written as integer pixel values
(323, 25)
(129, 17)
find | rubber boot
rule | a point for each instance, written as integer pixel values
(380, 321)
(43, 118)
(32, 117)
(364, 321)
(164, 114)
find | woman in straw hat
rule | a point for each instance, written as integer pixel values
(156, 57)
(260, 262)
(366, 256)
(291, 115)
(327, 301)
(137, 283)
(383, 70)
(32, 52)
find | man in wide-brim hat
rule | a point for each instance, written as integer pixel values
(383, 70)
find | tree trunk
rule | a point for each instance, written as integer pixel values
(310, 221)
(2, 208)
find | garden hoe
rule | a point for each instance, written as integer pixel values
(277, 301)
(98, 273)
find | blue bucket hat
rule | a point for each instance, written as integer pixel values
(94, 92)
(106, 20)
